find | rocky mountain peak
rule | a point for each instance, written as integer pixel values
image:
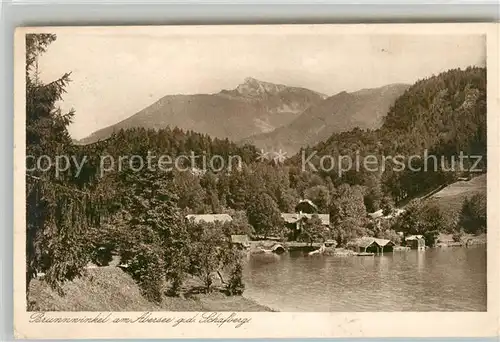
(254, 87)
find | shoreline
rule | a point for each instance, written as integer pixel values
(111, 289)
(266, 307)
(263, 247)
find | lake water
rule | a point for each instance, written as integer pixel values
(437, 279)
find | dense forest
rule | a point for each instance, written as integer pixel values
(73, 216)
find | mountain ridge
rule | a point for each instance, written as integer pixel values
(252, 107)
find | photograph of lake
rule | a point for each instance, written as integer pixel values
(315, 169)
(452, 279)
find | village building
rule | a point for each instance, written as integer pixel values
(415, 241)
(376, 214)
(241, 241)
(445, 239)
(306, 206)
(379, 214)
(304, 211)
(370, 245)
(448, 240)
(295, 222)
(210, 218)
(330, 243)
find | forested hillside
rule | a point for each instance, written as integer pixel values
(253, 107)
(443, 115)
(338, 113)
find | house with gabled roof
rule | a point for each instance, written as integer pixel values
(305, 210)
(209, 218)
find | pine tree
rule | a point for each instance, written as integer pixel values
(58, 212)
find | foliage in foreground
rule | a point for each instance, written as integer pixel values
(60, 209)
(211, 251)
(421, 218)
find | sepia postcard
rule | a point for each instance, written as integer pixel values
(257, 181)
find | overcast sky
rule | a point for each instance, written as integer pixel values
(115, 76)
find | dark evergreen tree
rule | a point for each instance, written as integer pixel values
(60, 208)
(473, 214)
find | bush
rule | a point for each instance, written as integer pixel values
(210, 251)
(102, 256)
(235, 286)
(421, 218)
(146, 267)
(458, 236)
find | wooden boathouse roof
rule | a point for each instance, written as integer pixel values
(367, 241)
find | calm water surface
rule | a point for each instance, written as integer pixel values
(438, 279)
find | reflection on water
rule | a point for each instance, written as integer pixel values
(452, 279)
(420, 260)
